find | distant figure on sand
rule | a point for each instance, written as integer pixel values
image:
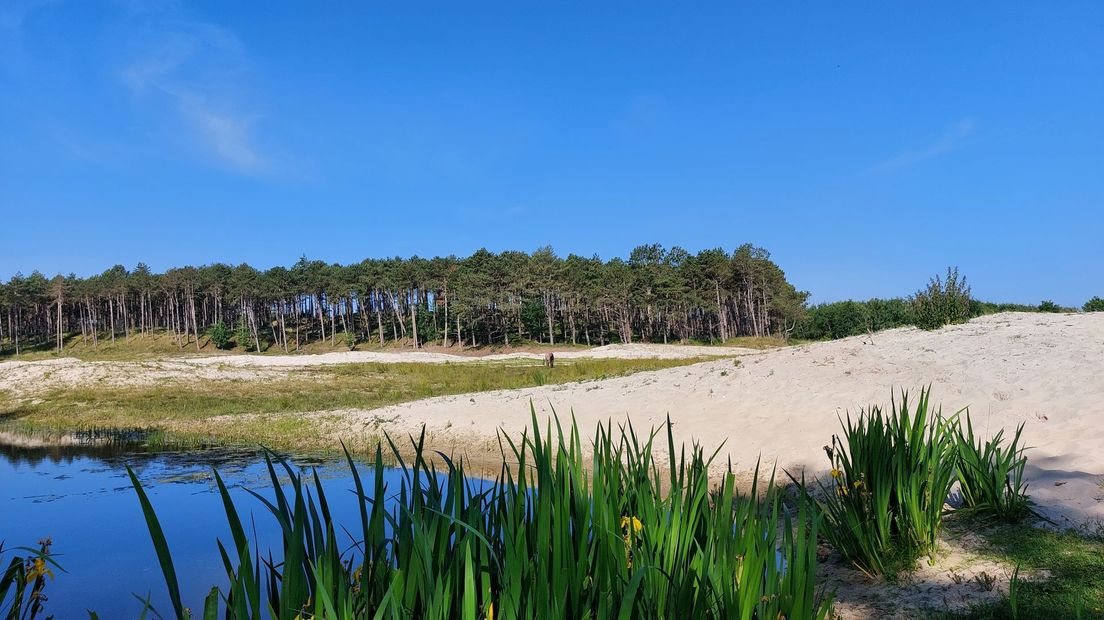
(550, 359)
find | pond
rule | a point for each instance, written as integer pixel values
(80, 496)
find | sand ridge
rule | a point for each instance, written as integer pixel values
(782, 405)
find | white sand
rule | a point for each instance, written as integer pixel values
(24, 378)
(612, 351)
(1046, 370)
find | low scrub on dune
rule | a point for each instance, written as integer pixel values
(553, 537)
(842, 319)
(1096, 304)
(943, 302)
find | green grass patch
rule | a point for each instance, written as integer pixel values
(1061, 575)
(250, 410)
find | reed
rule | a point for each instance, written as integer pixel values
(550, 537)
(991, 474)
(891, 475)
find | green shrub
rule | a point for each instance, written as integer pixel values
(991, 475)
(853, 318)
(1095, 304)
(890, 313)
(350, 340)
(980, 308)
(242, 337)
(1049, 306)
(942, 302)
(891, 474)
(220, 335)
(552, 537)
(834, 320)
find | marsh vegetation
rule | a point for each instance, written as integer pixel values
(252, 411)
(631, 525)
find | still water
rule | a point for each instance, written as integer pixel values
(80, 496)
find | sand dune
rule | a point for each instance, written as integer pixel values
(1045, 370)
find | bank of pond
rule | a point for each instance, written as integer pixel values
(631, 525)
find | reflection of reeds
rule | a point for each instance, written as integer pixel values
(33, 444)
(551, 537)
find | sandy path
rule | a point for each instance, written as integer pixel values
(1043, 369)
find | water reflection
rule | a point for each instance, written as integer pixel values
(76, 491)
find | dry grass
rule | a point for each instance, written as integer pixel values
(265, 410)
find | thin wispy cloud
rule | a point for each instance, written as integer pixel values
(952, 139)
(193, 70)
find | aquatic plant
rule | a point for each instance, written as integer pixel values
(991, 474)
(548, 538)
(23, 581)
(891, 474)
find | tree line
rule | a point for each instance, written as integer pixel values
(656, 295)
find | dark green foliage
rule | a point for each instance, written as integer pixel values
(991, 474)
(242, 337)
(553, 537)
(981, 308)
(943, 302)
(533, 317)
(427, 326)
(220, 335)
(1095, 304)
(891, 474)
(1049, 306)
(890, 313)
(350, 340)
(853, 318)
(835, 320)
(657, 295)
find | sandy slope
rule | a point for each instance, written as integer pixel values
(1046, 370)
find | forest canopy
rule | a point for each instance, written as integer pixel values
(657, 295)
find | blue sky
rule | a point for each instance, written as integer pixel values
(866, 145)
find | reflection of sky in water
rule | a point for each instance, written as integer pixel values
(82, 498)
